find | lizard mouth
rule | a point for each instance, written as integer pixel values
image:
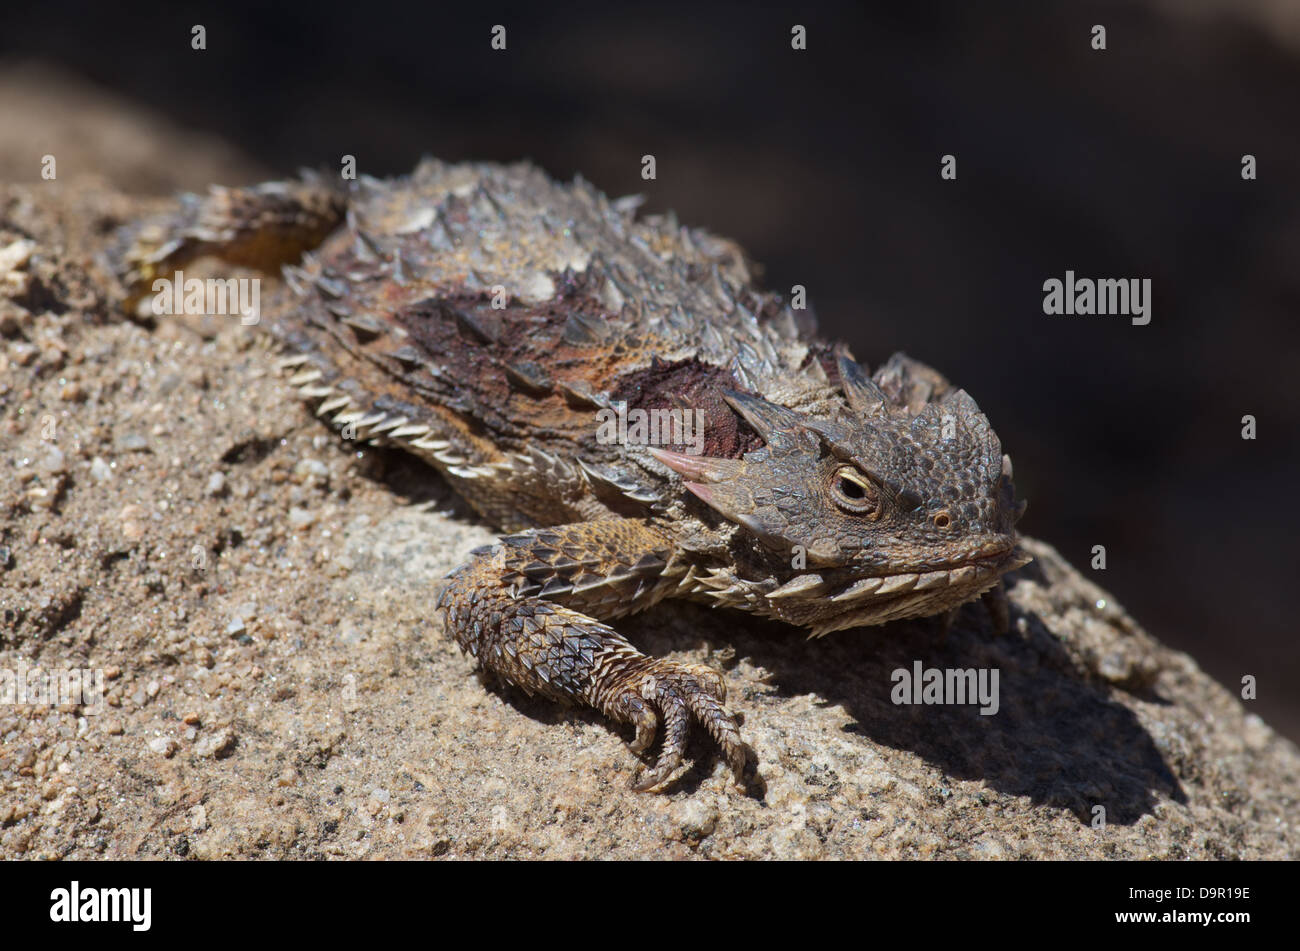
(974, 573)
(854, 602)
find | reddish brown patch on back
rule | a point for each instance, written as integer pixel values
(476, 350)
(690, 384)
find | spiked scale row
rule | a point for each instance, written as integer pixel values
(813, 584)
(372, 426)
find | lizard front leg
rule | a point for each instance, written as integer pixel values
(524, 608)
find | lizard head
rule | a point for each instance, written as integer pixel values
(897, 503)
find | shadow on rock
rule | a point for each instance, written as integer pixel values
(1057, 737)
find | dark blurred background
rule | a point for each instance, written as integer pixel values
(824, 165)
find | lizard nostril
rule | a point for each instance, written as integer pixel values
(942, 520)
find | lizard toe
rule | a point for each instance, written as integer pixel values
(645, 720)
(680, 692)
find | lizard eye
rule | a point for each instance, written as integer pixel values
(853, 492)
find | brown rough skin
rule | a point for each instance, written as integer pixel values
(485, 317)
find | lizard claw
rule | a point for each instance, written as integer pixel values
(662, 699)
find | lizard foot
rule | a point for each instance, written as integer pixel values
(662, 696)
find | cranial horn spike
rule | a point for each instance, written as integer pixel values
(962, 403)
(767, 418)
(702, 468)
(864, 397)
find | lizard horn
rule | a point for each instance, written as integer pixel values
(864, 397)
(768, 419)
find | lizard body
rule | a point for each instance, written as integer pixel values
(488, 320)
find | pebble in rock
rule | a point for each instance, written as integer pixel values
(214, 744)
(162, 745)
(53, 462)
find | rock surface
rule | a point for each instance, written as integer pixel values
(258, 595)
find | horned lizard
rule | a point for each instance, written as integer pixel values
(492, 322)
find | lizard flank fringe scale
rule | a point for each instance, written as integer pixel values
(481, 316)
